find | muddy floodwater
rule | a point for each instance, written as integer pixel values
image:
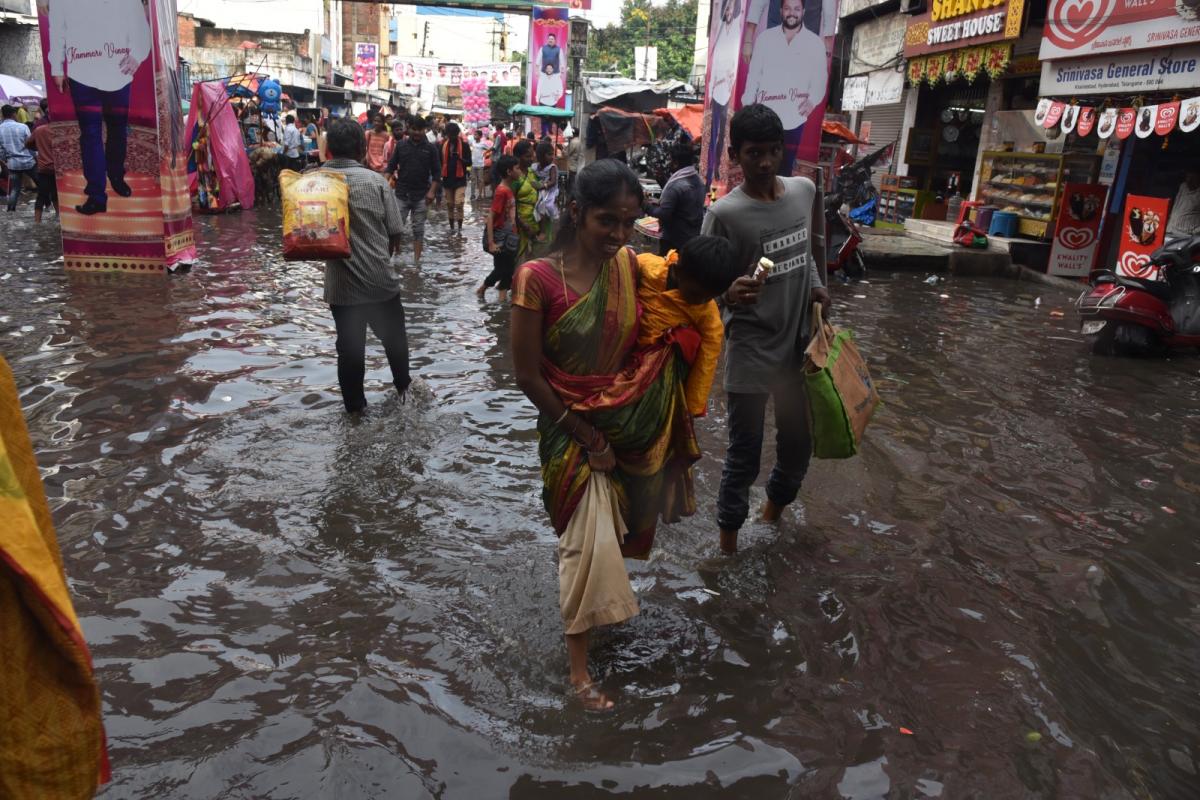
(1000, 598)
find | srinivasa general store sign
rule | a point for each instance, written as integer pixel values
(951, 24)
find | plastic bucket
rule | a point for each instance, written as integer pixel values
(983, 217)
(1004, 223)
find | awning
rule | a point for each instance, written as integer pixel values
(690, 117)
(540, 111)
(601, 90)
(840, 131)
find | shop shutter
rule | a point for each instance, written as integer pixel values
(886, 123)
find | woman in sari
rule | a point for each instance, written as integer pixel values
(605, 407)
(547, 175)
(526, 191)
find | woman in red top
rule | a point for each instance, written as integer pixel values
(377, 140)
(502, 229)
(456, 163)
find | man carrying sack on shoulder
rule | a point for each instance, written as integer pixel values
(767, 317)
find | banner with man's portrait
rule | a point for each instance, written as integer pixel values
(774, 52)
(120, 157)
(548, 34)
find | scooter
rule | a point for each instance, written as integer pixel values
(843, 238)
(1143, 316)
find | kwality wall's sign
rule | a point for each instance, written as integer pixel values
(1076, 28)
(1123, 73)
(950, 24)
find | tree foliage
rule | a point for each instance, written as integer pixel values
(672, 29)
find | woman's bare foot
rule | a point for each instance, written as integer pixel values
(772, 512)
(503, 296)
(729, 542)
(590, 696)
(480, 292)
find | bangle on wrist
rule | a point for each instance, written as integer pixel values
(607, 449)
(559, 421)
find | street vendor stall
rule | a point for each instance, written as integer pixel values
(219, 176)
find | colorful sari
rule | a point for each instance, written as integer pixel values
(634, 397)
(526, 191)
(51, 739)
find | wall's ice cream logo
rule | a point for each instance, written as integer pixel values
(1070, 24)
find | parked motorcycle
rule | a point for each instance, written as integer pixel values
(1143, 316)
(842, 240)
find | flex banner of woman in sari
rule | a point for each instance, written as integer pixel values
(51, 740)
(117, 121)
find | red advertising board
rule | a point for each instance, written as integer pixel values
(1077, 230)
(951, 24)
(1143, 227)
(1076, 28)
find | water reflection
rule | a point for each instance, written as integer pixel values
(285, 604)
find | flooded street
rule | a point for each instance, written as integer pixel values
(1000, 598)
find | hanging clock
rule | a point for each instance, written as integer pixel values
(950, 134)
(947, 115)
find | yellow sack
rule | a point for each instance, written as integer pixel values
(593, 587)
(316, 215)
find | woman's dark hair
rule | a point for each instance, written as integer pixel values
(544, 150)
(711, 262)
(504, 164)
(452, 130)
(754, 123)
(522, 147)
(596, 185)
(346, 139)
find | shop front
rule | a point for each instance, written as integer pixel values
(957, 53)
(1128, 86)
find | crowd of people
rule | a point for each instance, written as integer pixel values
(27, 154)
(617, 350)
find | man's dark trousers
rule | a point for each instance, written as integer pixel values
(793, 445)
(99, 113)
(386, 319)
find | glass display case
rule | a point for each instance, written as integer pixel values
(1030, 184)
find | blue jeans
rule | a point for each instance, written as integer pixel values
(791, 142)
(15, 178)
(103, 160)
(793, 448)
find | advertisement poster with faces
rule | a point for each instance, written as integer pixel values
(117, 122)
(774, 52)
(1077, 232)
(548, 34)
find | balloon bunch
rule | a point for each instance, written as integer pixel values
(477, 109)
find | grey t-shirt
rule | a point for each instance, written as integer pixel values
(762, 338)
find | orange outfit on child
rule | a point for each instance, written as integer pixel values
(664, 310)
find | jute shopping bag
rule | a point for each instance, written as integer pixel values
(841, 394)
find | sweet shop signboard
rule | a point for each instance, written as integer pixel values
(951, 24)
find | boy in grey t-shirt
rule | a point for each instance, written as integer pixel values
(766, 321)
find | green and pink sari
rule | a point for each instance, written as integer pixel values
(635, 397)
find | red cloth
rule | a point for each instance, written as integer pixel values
(43, 140)
(460, 170)
(500, 202)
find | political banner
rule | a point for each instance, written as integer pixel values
(774, 52)
(548, 38)
(117, 132)
(366, 66)
(493, 74)
(413, 71)
(1143, 228)
(1077, 231)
